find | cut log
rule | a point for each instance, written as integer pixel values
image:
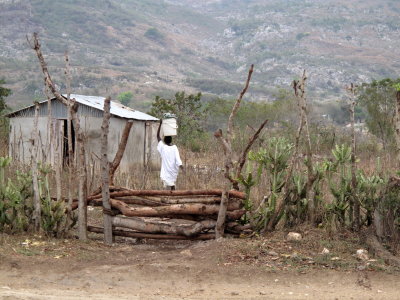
(157, 201)
(132, 234)
(215, 192)
(236, 227)
(173, 208)
(149, 204)
(149, 226)
(191, 209)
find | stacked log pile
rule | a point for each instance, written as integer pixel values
(161, 214)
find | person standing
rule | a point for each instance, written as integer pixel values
(170, 160)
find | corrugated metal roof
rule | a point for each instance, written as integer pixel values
(96, 102)
(116, 109)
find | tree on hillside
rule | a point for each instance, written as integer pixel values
(379, 98)
(125, 98)
(189, 111)
(251, 113)
(154, 34)
(4, 92)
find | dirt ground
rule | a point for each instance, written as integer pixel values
(34, 267)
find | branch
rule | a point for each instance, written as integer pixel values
(121, 149)
(237, 105)
(242, 160)
(228, 155)
(225, 145)
(49, 82)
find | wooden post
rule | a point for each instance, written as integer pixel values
(220, 225)
(58, 161)
(70, 163)
(34, 157)
(397, 128)
(354, 209)
(82, 188)
(300, 93)
(105, 184)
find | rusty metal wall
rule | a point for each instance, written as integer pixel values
(140, 147)
(58, 111)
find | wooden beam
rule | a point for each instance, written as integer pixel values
(132, 234)
(105, 178)
(212, 192)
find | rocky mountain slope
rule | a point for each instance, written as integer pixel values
(155, 47)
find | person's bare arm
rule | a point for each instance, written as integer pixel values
(158, 131)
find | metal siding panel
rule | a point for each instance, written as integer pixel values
(89, 106)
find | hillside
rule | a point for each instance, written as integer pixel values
(155, 47)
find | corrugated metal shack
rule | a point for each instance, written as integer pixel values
(141, 149)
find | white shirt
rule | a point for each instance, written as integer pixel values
(170, 162)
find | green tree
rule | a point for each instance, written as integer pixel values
(189, 111)
(378, 98)
(282, 109)
(4, 92)
(125, 98)
(154, 34)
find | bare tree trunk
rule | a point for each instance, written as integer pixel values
(108, 238)
(281, 200)
(220, 225)
(52, 148)
(58, 167)
(397, 124)
(300, 93)
(82, 190)
(70, 162)
(243, 157)
(378, 223)
(227, 146)
(82, 193)
(49, 141)
(355, 202)
(36, 196)
(354, 209)
(121, 149)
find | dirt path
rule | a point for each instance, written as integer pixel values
(179, 270)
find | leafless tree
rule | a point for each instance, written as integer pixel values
(232, 169)
(82, 171)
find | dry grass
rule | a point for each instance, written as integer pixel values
(276, 253)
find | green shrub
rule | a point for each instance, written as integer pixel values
(154, 34)
(16, 203)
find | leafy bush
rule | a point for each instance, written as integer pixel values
(378, 99)
(16, 203)
(154, 34)
(16, 206)
(190, 115)
(302, 35)
(125, 98)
